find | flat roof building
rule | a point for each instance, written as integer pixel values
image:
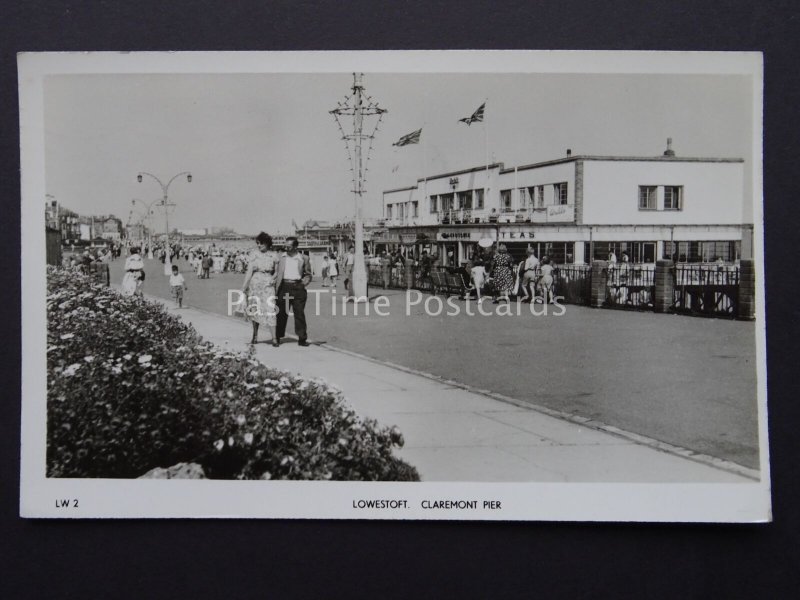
(579, 207)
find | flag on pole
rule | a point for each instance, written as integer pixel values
(410, 138)
(476, 116)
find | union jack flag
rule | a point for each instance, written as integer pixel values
(476, 116)
(409, 138)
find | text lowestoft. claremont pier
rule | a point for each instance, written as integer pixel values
(430, 504)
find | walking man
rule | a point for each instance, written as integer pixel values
(349, 263)
(294, 274)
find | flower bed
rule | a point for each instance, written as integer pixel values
(132, 388)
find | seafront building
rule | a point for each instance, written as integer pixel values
(576, 208)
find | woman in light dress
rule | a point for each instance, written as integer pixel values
(134, 274)
(259, 287)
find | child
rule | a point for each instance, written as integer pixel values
(478, 274)
(177, 284)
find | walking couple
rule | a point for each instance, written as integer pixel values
(275, 281)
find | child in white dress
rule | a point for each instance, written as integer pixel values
(478, 274)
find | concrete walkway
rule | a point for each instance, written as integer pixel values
(455, 433)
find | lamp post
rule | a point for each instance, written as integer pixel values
(359, 106)
(165, 203)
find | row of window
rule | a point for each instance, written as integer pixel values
(467, 200)
(672, 197)
(403, 210)
(645, 252)
(534, 197)
(637, 252)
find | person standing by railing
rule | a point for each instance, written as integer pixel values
(546, 280)
(386, 268)
(529, 275)
(409, 271)
(348, 264)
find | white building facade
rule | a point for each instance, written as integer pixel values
(576, 208)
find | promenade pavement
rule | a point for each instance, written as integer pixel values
(688, 382)
(455, 433)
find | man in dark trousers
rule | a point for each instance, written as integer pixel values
(294, 274)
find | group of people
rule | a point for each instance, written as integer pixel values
(330, 270)
(88, 259)
(528, 280)
(273, 282)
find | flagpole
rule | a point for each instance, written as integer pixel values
(486, 143)
(424, 168)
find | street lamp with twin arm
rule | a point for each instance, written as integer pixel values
(165, 203)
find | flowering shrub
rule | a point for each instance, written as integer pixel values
(131, 388)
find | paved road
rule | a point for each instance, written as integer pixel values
(686, 381)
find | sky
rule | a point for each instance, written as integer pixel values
(263, 149)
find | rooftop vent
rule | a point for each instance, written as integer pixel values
(669, 151)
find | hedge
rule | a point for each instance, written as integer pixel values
(132, 388)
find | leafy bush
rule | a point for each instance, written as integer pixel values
(131, 388)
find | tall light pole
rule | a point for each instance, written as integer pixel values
(165, 203)
(360, 107)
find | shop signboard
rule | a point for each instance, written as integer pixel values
(516, 235)
(456, 236)
(386, 236)
(561, 213)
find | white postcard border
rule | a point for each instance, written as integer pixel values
(103, 498)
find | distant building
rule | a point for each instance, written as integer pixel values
(193, 232)
(63, 220)
(339, 235)
(108, 227)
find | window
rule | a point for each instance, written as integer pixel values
(523, 198)
(388, 211)
(506, 201)
(728, 251)
(465, 200)
(558, 252)
(560, 193)
(647, 197)
(415, 209)
(479, 199)
(434, 207)
(447, 202)
(540, 196)
(683, 251)
(673, 197)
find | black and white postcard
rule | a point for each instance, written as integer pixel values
(464, 285)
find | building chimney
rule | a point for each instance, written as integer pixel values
(569, 151)
(669, 151)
